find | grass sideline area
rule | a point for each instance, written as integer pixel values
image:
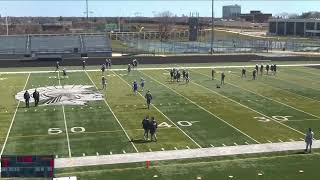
(273, 108)
(286, 165)
(98, 67)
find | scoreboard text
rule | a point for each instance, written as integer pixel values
(27, 166)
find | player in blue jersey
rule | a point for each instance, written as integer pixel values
(146, 126)
(142, 84)
(135, 87)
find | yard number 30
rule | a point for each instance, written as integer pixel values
(278, 118)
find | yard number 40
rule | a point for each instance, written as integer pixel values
(180, 123)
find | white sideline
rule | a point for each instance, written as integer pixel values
(181, 154)
(65, 121)
(105, 101)
(161, 68)
(14, 115)
(203, 108)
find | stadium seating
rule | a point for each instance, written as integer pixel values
(96, 43)
(13, 44)
(55, 44)
(65, 45)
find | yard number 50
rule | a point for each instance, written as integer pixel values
(55, 131)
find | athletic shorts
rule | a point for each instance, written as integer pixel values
(309, 142)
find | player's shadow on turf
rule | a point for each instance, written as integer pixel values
(300, 152)
(139, 141)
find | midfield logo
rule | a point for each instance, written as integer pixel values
(64, 95)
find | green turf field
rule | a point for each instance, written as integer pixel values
(273, 108)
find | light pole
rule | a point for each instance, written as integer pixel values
(7, 25)
(6, 19)
(87, 19)
(212, 26)
(87, 10)
(87, 13)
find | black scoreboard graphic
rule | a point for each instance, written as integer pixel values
(27, 166)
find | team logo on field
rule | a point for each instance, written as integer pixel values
(2, 79)
(64, 95)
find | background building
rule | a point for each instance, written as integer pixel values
(256, 17)
(231, 12)
(294, 27)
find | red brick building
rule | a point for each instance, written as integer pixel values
(256, 17)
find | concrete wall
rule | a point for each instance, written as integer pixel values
(152, 60)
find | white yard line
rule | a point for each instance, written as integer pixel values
(203, 109)
(248, 108)
(65, 120)
(161, 68)
(162, 113)
(105, 101)
(182, 154)
(299, 120)
(305, 97)
(290, 92)
(264, 96)
(13, 118)
(293, 82)
(307, 72)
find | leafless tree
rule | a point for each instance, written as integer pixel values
(166, 22)
(311, 14)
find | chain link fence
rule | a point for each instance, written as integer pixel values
(178, 43)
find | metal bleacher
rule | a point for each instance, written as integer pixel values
(64, 45)
(96, 43)
(13, 44)
(55, 44)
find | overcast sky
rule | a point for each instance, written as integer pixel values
(148, 7)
